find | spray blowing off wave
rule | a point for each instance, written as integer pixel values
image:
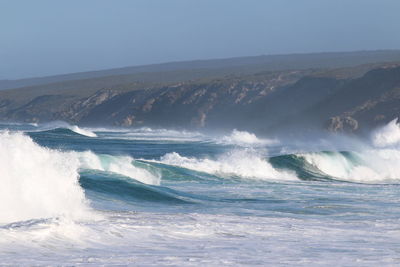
(380, 163)
(37, 182)
(239, 163)
(387, 135)
(122, 165)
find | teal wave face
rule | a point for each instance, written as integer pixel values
(57, 132)
(307, 170)
(125, 189)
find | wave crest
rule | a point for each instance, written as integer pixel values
(387, 135)
(63, 125)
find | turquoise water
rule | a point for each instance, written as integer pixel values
(76, 196)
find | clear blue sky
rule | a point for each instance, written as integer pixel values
(46, 37)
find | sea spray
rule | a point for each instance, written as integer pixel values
(37, 182)
(387, 135)
(243, 138)
(64, 125)
(373, 161)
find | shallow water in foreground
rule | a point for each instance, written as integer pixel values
(144, 197)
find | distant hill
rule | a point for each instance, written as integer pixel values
(295, 93)
(198, 69)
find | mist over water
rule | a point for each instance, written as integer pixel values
(159, 196)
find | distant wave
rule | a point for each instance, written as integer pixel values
(243, 138)
(37, 182)
(149, 134)
(235, 138)
(63, 125)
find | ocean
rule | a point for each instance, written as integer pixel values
(153, 197)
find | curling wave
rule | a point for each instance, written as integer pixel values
(60, 125)
(237, 163)
(369, 166)
(149, 134)
(119, 187)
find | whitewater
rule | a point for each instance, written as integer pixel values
(71, 195)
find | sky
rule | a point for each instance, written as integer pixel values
(48, 37)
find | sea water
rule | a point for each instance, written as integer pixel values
(76, 196)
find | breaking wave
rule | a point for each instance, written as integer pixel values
(123, 165)
(238, 163)
(369, 166)
(37, 182)
(377, 161)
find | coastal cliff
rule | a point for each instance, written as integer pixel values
(348, 99)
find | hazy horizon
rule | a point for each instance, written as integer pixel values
(45, 38)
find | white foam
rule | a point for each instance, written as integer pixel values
(387, 135)
(238, 163)
(37, 182)
(243, 138)
(61, 124)
(379, 163)
(82, 131)
(149, 134)
(118, 164)
(370, 166)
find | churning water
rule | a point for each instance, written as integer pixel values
(144, 196)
